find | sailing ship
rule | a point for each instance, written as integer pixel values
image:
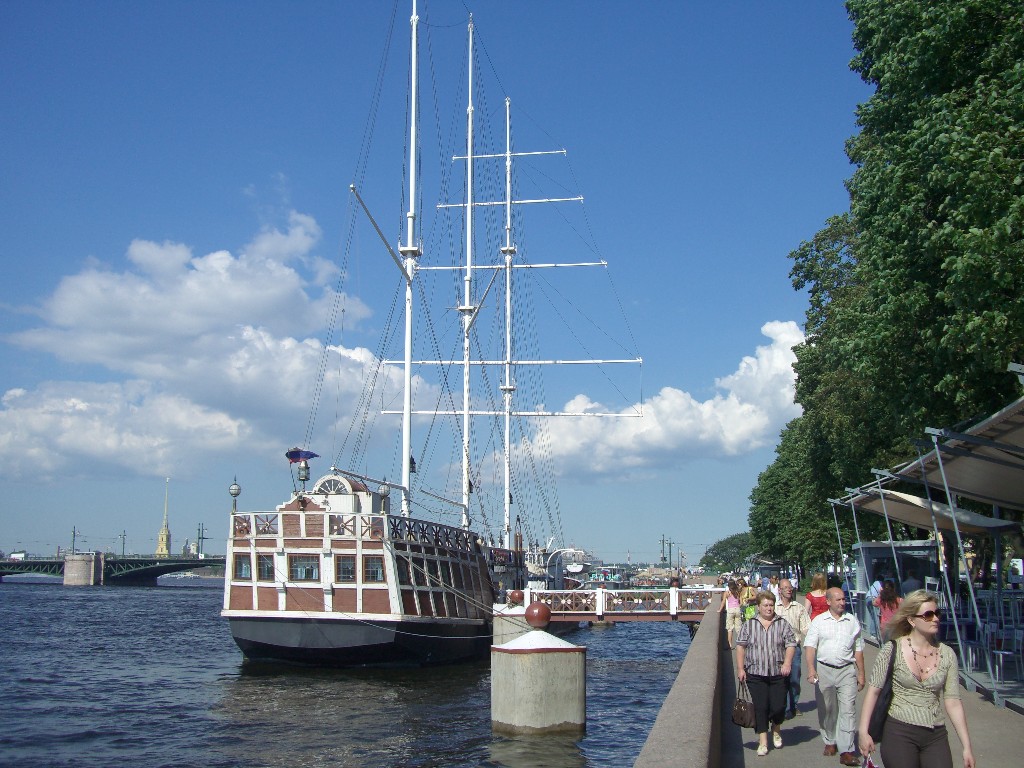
(335, 576)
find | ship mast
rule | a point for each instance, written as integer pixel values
(507, 388)
(410, 252)
(467, 309)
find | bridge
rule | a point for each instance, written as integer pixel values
(100, 568)
(686, 604)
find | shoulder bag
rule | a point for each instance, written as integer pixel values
(881, 711)
(743, 707)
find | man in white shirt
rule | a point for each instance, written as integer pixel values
(834, 652)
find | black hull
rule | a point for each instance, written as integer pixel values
(339, 644)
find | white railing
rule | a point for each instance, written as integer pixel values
(669, 601)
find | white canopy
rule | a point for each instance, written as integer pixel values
(985, 463)
(917, 511)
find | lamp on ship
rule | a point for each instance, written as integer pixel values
(234, 489)
(303, 473)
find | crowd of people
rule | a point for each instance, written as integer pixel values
(774, 635)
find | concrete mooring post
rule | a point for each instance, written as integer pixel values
(538, 681)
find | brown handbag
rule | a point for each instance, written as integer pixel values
(743, 707)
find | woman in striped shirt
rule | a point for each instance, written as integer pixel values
(925, 683)
(764, 657)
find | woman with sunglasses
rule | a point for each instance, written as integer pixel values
(925, 681)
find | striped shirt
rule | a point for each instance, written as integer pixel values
(835, 640)
(913, 701)
(764, 650)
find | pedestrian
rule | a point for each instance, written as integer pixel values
(911, 583)
(814, 600)
(773, 587)
(834, 653)
(796, 615)
(764, 658)
(886, 603)
(748, 599)
(924, 676)
(733, 615)
(873, 592)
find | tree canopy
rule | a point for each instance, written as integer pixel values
(730, 553)
(914, 294)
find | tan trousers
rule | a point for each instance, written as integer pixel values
(836, 695)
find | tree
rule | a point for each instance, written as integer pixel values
(730, 553)
(938, 204)
(915, 293)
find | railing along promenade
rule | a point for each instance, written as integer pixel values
(100, 568)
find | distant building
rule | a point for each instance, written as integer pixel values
(163, 539)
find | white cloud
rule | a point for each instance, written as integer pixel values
(214, 348)
(755, 403)
(64, 426)
(217, 353)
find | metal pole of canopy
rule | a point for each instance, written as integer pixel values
(888, 526)
(996, 698)
(839, 538)
(945, 571)
(856, 530)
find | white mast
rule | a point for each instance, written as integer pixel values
(507, 388)
(467, 305)
(411, 252)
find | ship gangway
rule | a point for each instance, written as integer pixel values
(687, 604)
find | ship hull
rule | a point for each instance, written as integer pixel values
(353, 643)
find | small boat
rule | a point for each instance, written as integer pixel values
(334, 575)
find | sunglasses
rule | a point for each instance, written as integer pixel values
(929, 615)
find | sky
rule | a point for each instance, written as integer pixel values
(174, 198)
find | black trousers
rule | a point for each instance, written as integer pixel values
(769, 697)
(912, 746)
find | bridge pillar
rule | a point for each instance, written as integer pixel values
(83, 570)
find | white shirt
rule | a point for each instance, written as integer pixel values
(835, 640)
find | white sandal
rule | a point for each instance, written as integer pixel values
(762, 750)
(777, 739)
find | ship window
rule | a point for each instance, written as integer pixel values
(345, 568)
(419, 575)
(403, 571)
(265, 567)
(304, 567)
(243, 567)
(373, 569)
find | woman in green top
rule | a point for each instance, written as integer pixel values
(924, 676)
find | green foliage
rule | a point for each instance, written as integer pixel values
(730, 553)
(914, 295)
(938, 201)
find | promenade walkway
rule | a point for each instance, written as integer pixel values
(694, 728)
(995, 731)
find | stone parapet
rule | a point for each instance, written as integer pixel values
(687, 731)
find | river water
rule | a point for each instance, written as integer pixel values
(139, 676)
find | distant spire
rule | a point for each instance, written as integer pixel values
(163, 539)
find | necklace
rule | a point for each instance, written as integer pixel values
(923, 671)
